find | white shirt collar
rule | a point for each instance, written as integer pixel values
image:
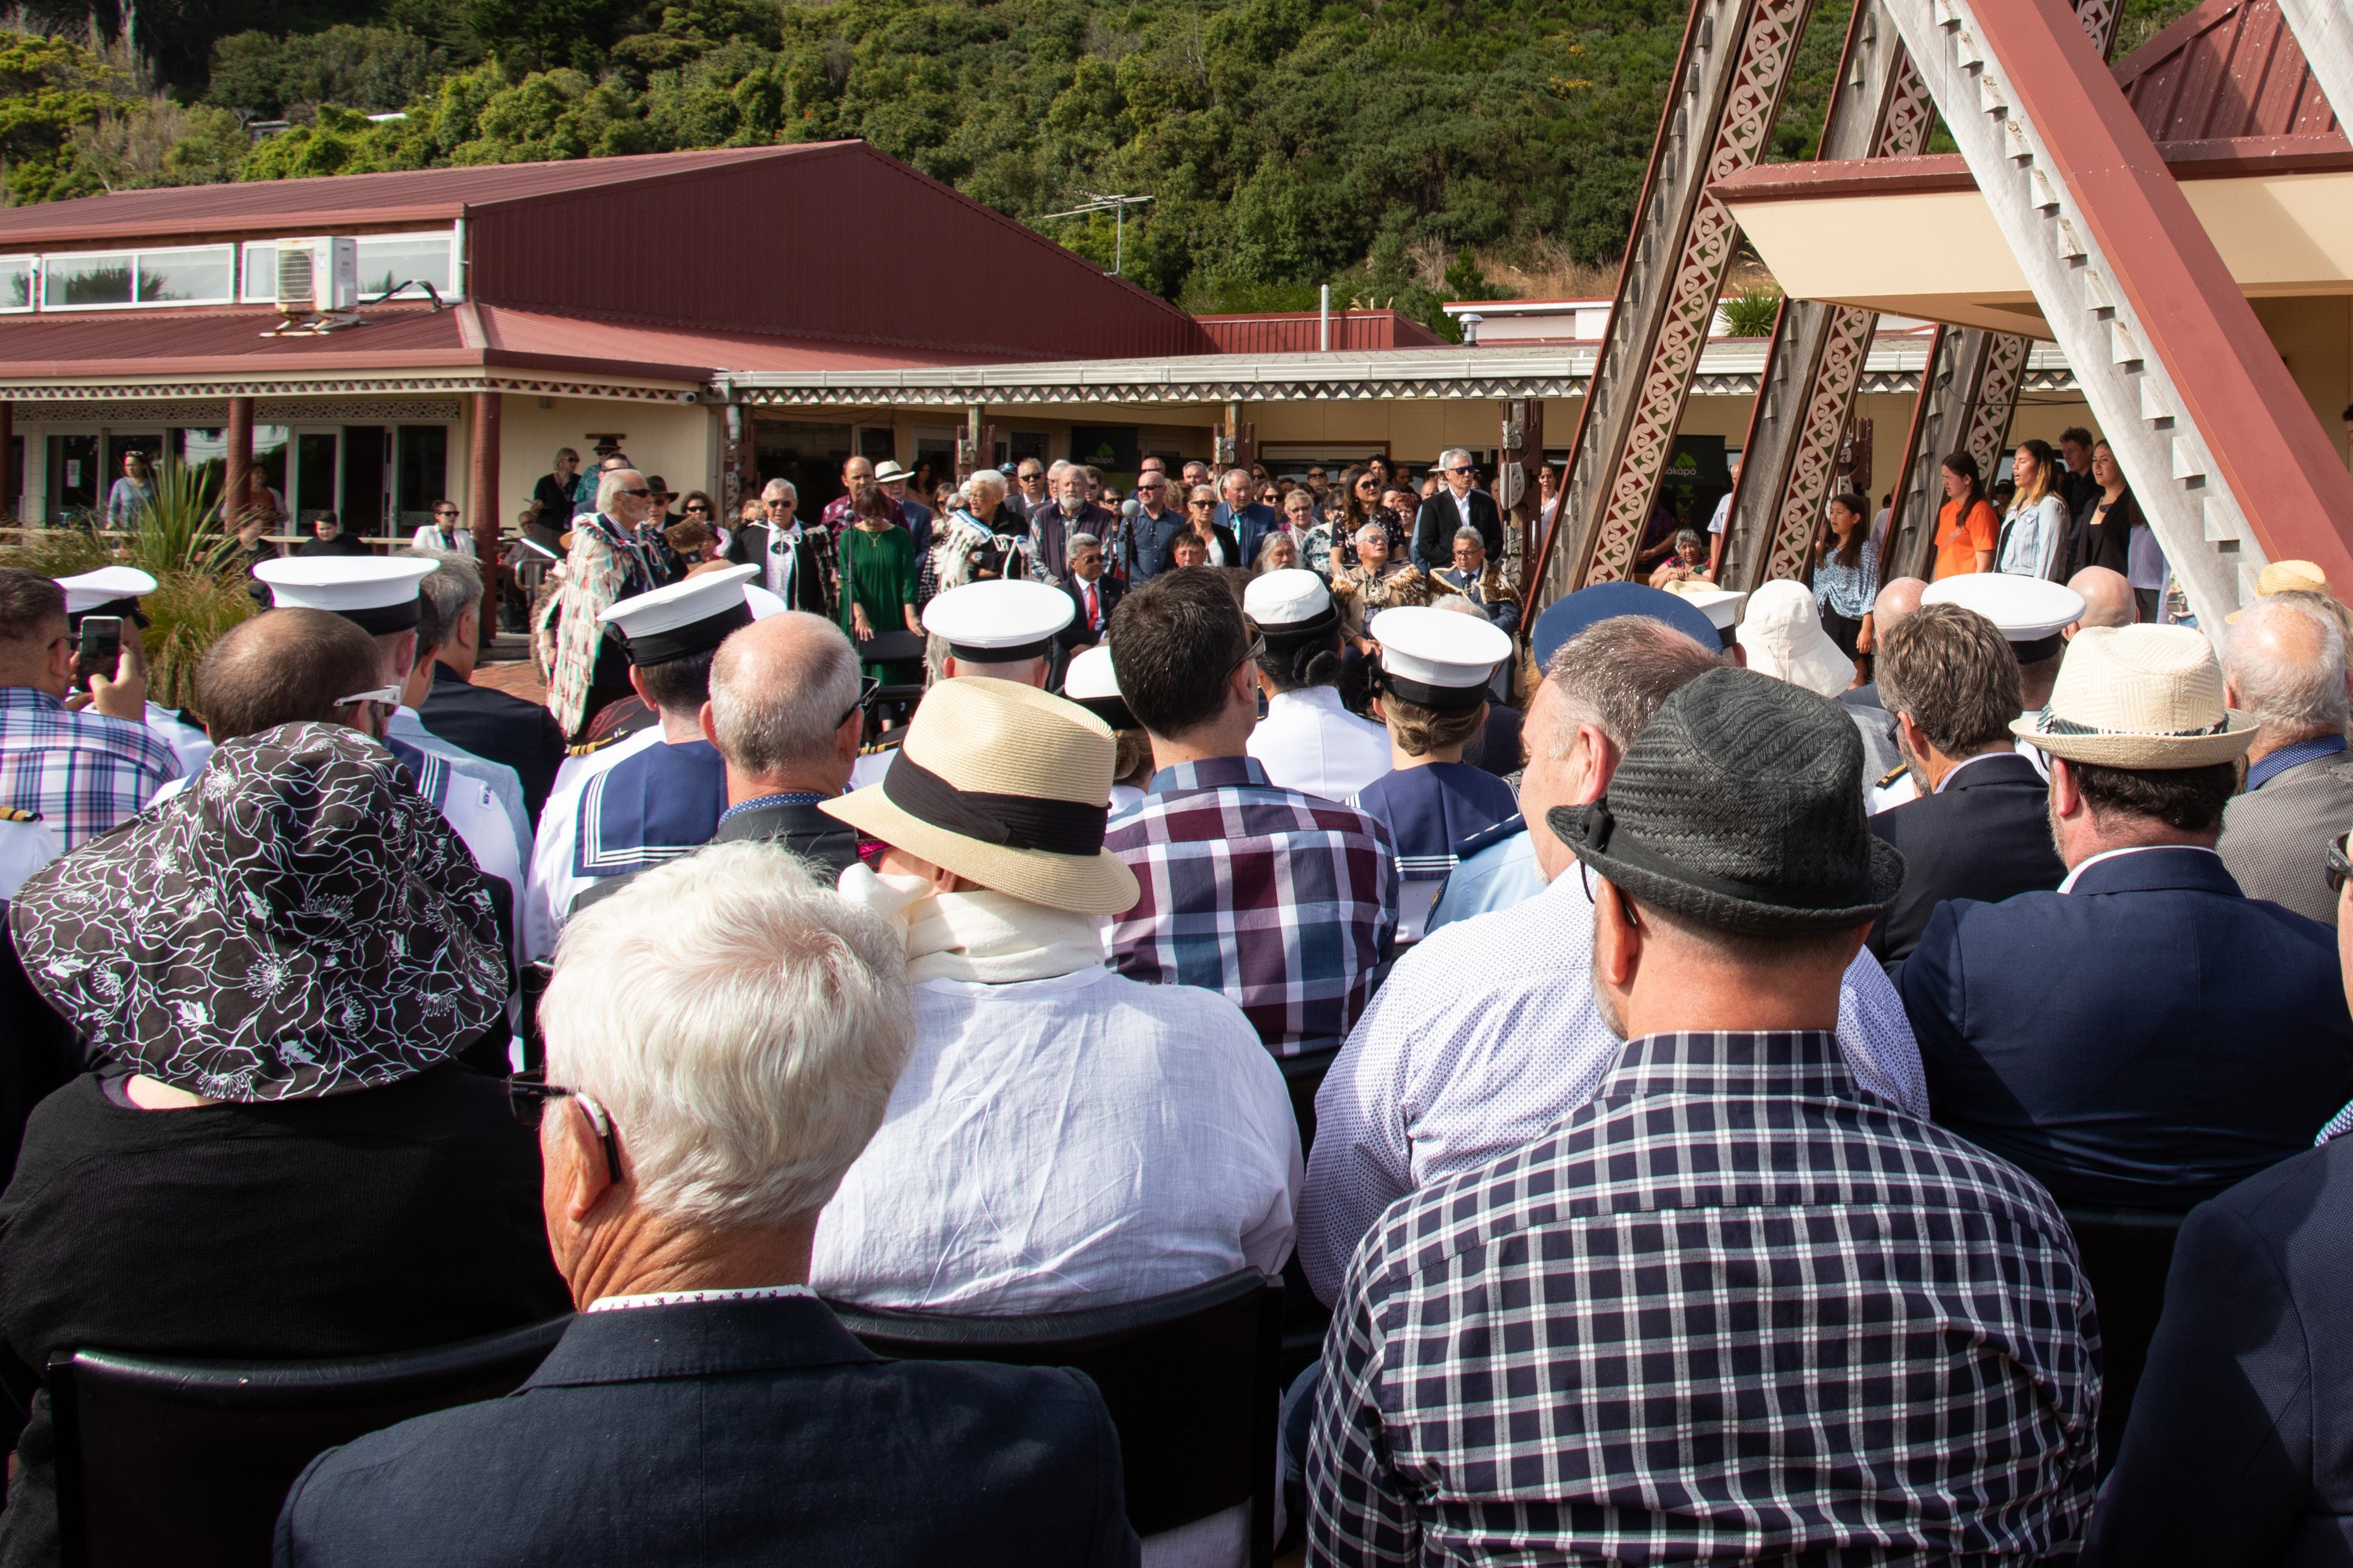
(2069, 885)
(686, 1298)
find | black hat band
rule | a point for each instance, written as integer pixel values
(1597, 828)
(1437, 699)
(1282, 635)
(126, 607)
(383, 618)
(661, 647)
(973, 654)
(2038, 650)
(1113, 711)
(1012, 820)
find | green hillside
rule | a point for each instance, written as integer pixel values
(1400, 149)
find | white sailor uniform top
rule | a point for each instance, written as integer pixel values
(1430, 810)
(188, 741)
(470, 807)
(1310, 741)
(651, 803)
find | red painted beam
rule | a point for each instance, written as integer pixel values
(2263, 438)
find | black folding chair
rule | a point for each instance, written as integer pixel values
(2127, 1255)
(1189, 1379)
(186, 1462)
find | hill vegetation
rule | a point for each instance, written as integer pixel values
(1400, 149)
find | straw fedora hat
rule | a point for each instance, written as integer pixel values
(2138, 697)
(2285, 577)
(1005, 786)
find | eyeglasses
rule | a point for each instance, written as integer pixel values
(1256, 651)
(1458, 470)
(637, 492)
(2340, 869)
(444, 511)
(527, 1097)
(868, 685)
(1368, 484)
(1198, 501)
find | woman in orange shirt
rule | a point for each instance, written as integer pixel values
(1967, 525)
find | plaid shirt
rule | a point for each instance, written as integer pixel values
(83, 772)
(1282, 901)
(1730, 1311)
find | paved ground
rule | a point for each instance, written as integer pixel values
(507, 666)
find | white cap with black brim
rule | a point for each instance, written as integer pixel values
(375, 593)
(683, 618)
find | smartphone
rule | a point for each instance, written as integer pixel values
(100, 647)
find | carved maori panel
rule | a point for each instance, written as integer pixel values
(1808, 490)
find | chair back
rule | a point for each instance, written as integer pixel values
(186, 1462)
(2127, 1255)
(1189, 1379)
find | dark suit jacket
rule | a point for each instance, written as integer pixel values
(1249, 526)
(2143, 1041)
(497, 728)
(2240, 1449)
(1079, 634)
(1986, 837)
(1434, 526)
(749, 547)
(730, 1433)
(2274, 840)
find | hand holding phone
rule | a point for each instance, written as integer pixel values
(118, 687)
(100, 648)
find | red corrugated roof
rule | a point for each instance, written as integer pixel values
(343, 202)
(1301, 331)
(2228, 68)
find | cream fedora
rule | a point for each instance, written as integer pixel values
(2138, 697)
(1006, 786)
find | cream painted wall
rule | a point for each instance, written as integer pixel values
(678, 441)
(2316, 338)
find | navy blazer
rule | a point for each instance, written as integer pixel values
(2145, 1041)
(497, 728)
(1251, 526)
(734, 1432)
(2240, 1447)
(1985, 835)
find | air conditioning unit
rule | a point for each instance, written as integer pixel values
(317, 275)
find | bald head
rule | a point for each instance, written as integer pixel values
(2285, 667)
(285, 667)
(1896, 601)
(2108, 598)
(784, 707)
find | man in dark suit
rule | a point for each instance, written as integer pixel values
(1979, 829)
(2286, 667)
(1461, 504)
(704, 1405)
(1094, 591)
(2147, 1035)
(796, 563)
(482, 720)
(1249, 521)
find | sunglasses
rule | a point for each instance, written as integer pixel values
(1458, 470)
(1257, 650)
(2340, 869)
(527, 1097)
(637, 492)
(387, 696)
(449, 511)
(868, 685)
(696, 506)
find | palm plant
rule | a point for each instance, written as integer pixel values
(179, 530)
(1750, 314)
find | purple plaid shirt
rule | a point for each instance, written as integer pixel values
(82, 772)
(1282, 901)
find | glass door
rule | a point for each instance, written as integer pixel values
(118, 445)
(420, 475)
(366, 448)
(316, 476)
(73, 479)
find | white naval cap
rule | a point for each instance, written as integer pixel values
(1001, 621)
(683, 617)
(1293, 598)
(1093, 685)
(2028, 611)
(375, 593)
(1439, 659)
(762, 603)
(90, 591)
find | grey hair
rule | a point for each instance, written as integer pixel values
(1079, 541)
(1614, 675)
(1445, 458)
(1468, 533)
(608, 485)
(781, 489)
(1372, 530)
(768, 718)
(743, 1024)
(449, 591)
(988, 480)
(2289, 697)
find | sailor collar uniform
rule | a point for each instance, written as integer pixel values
(637, 802)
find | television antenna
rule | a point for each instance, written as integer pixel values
(1115, 206)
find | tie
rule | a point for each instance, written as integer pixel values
(1094, 610)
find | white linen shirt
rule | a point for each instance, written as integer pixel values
(1440, 1076)
(1081, 1140)
(1310, 741)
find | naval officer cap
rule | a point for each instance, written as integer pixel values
(375, 593)
(1437, 659)
(109, 591)
(1093, 685)
(2028, 611)
(1290, 604)
(1002, 621)
(684, 618)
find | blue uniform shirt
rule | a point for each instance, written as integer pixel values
(1428, 810)
(660, 804)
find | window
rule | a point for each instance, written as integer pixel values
(15, 283)
(185, 275)
(385, 260)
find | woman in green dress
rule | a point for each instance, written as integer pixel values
(878, 584)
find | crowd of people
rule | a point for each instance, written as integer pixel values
(1676, 1061)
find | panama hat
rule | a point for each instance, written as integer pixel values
(1783, 635)
(2285, 577)
(2138, 697)
(1006, 786)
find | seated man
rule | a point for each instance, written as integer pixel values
(1735, 1308)
(1308, 741)
(2147, 1035)
(1951, 679)
(1284, 903)
(2285, 663)
(1062, 1136)
(480, 720)
(717, 1082)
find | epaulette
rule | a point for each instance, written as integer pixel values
(888, 743)
(1897, 772)
(15, 814)
(590, 748)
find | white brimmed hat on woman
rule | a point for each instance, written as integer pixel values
(1006, 786)
(1782, 635)
(2138, 697)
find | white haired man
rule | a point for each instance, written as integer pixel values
(797, 565)
(726, 1035)
(2286, 668)
(1462, 504)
